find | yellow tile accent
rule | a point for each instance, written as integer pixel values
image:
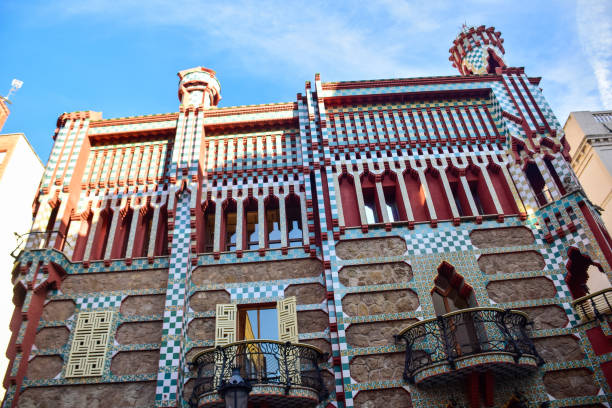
(225, 324)
(287, 320)
(89, 344)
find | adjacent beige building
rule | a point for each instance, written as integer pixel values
(589, 135)
(20, 173)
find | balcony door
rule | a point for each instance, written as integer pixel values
(451, 294)
(260, 330)
(258, 322)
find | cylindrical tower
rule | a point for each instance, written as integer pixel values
(199, 87)
(477, 51)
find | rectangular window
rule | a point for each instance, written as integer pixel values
(258, 323)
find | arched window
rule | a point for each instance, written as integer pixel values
(370, 199)
(416, 195)
(450, 293)
(209, 225)
(492, 61)
(161, 240)
(145, 226)
(438, 195)
(537, 183)
(459, 194)
(293, 211)
(394, 204)
(229, 224)
(583, 275)
(251, 223)
(348, 197)
(81, 242)
(273, 233)
(480, 191)
(500, 184)
(122, 234)
(102, 234)
(50, 225)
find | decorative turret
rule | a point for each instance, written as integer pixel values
(199, 87)
(477, 51)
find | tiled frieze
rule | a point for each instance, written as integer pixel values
(136, 127)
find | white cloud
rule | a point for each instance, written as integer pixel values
(569, 87)
(370, 40)
(373, 39)
(594, 18)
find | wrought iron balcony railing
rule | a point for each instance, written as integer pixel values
(261, 362)
(594, 306)
(447, 342)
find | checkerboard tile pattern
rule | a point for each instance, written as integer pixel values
(562, 289)
(451, 240)
(99, 302)
(171, 361)
(522, 185)
(571, 315)
(257, 292)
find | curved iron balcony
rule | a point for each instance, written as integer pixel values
(594, 306)
(453, 345)
(281, 374)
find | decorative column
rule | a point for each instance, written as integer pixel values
(198, 90)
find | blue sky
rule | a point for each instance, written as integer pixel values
(121, 57)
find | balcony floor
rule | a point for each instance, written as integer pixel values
(500, 363)
(273, 396)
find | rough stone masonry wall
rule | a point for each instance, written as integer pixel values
(396, 398)
(115, 281)
(363, 303)
(254, 272)
(360, 249)
(135, 394)
(553, 349)
(136, 326)
(374, 303)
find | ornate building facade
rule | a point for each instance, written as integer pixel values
(413, 242)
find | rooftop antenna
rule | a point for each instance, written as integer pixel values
(15, 85)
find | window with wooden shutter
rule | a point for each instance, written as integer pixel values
(289, 364)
